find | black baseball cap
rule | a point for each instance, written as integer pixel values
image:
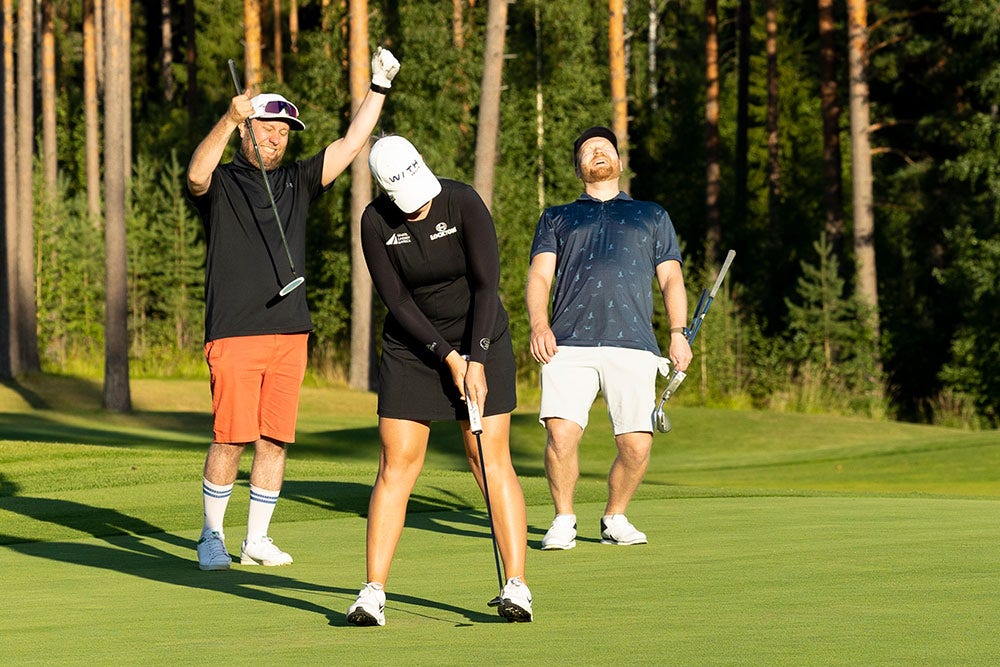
(590, 133)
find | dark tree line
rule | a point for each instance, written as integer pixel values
(846, 149)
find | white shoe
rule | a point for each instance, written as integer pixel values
(561, 534)
(263, 552)
(212, 554)
(515, 603)
(369, 608)
(616, 529)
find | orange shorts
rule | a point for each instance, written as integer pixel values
(255, 386)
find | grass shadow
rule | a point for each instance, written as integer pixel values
(134, 547)
(183, 429)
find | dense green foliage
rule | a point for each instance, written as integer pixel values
(935, 89)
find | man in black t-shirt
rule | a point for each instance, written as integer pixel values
(256, 333)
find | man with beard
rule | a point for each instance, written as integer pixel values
(604, 250)
(256, 333)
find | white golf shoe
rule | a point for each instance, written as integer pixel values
(561, 534)
(369, 608)
(262, 551)
(515, 603)
(212, 554)
(616, 529)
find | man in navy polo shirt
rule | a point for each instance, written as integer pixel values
(604, 251)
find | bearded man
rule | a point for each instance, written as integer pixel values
(604, 251)
(256, 329)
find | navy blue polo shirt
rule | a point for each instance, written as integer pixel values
(606, 258)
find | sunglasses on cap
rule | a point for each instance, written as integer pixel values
(281, 107)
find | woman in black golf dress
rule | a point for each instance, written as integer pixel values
(431, 249)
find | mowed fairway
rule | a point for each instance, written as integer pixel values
(774, 539)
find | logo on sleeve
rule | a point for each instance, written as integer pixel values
(484, 343)
(442, 231)
(399, 238)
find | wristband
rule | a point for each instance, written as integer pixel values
(384, 90)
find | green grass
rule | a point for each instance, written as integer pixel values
(774, 539)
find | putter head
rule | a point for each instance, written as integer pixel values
(495, 602)
(292, 285)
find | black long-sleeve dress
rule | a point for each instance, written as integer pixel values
(439, 279)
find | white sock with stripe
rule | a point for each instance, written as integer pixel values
(262, 504)
(216, 499)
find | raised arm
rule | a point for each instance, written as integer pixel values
(340, 153)
(209, 152)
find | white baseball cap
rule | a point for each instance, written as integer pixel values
(272, 106)
(401, 172)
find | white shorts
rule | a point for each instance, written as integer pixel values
(626, 378)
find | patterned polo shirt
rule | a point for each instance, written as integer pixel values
(606, 258)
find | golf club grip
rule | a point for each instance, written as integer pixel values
(723, 271)
(475, 421)
(236, 76)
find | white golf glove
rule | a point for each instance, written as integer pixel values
(384, 67)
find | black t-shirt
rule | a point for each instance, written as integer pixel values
(438, 276)
(245, 263)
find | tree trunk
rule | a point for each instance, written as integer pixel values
(359, 373)
(191, 59)
(251, 49)
(48, 53)
(744, 20)
(167, 54)
(488, 127)
(619, 95)
(91, 112)
(539, 109)
(652, 90)
(833, 197)
(324, 26)
(9, 350)
(278, 68)
(861, 163)
(773, 141)
(457, 25)
(713, 172)
(99, 40)
(27, 314)
(125, 93)
(116, 381)
(293, 25)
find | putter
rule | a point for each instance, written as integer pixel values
(660, 418)
(476, 426)
(296, 280)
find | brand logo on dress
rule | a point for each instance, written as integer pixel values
(399, 238)
(484, 343)
(442, 231)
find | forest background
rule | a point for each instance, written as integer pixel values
(731, 113)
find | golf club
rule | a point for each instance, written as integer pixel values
(476, 426)
(296, 280)
(660, 417)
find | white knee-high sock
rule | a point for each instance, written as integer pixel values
(262, 504)
(216, 499)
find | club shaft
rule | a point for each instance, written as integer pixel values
(476, 426)
(263, 171)
(489, 509)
